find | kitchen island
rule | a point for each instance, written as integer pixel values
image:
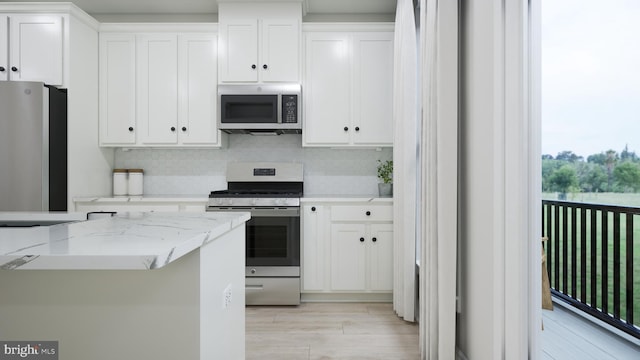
(132, 286)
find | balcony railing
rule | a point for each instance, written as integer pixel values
(593, 259)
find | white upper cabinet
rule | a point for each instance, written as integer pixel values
(260, 50)
(259, 42)
(348, 87)
(158, 89)
(280, 51)
(239, 51)
(197, 90)
(372, 120)
(4, 47)
(31, 48)
(327, 89)
(117, 77)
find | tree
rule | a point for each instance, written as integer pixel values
(592, 178)
(563, 179)
(548, 167)
(599, 159)
(627, 176)
(568, 156)
(611, 158)
(627, 155)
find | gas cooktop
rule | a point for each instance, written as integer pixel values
(254, 193)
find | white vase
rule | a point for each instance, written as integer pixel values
(385, 190)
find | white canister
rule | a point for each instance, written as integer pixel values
(120, 182)
(136, 182)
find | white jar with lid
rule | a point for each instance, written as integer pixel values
(120, 182)
(136, 182)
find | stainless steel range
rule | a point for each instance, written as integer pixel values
(271, 193)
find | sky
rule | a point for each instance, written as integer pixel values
(590, 76)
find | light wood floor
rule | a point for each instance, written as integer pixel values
(329, 331)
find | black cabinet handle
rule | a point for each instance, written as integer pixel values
(346, 128)
(265, 66)
(368, 213)
(361, 239)
(313, 208)
(253, 66)
(130, 128)
(184, 128)
(374, 239)
(13, 68)
(173, 128)
(357, 128)
(2, 69)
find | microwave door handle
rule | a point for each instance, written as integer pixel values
(279, 107)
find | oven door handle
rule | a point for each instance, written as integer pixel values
(264, 212)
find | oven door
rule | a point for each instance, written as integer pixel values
(272, 235)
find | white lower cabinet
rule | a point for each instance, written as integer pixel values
(347, 251)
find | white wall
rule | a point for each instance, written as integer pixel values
(199, 171)
(89, 167)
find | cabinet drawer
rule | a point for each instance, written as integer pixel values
(362, 213)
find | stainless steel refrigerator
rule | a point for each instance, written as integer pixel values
(33, 147)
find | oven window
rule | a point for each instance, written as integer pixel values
(273, 241)
(239, 109)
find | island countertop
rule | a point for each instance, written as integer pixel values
(125, 241)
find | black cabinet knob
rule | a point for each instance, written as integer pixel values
(13, 68)
(2, 69)
(313, 208)
(357, 128)
(130, 128)
(374, 239)
(184, 128)
(368, 213)
(346, 128)
(265, 66)
(173, 128)
(361, 239)
(253, 66)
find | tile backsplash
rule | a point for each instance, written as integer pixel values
(199, 171)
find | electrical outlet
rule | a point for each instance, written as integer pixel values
(226, 297)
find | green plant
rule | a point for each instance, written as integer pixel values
(385, 171)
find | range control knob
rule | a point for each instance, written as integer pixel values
(253, 271)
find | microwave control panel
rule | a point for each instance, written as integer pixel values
(289, 109)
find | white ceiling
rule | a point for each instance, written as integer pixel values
(211, 6)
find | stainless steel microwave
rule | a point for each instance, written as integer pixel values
(260, 109)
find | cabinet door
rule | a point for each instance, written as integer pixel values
(373, 88)
(117, 89)
(4, 48)
(348, 254)
(157, 94)
(239, 52)
(380, 257)
(314, 241)
(279, 55)
(327, 89)
(36, 48)
(197, 74)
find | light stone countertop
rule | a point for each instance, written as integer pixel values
(126, 241)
